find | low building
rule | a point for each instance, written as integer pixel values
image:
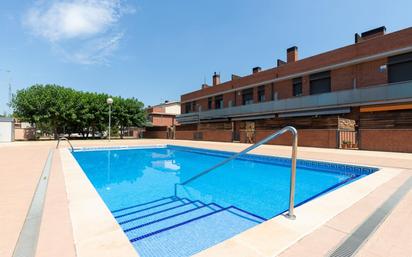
(162, 120)
(6, 129)
(357, 96)
(24, 131)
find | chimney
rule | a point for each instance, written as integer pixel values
(234, 76)
(370, 34)
(292, 54)
(204, 85)
(280, 62)
(357, 38)
(216, 79)
(256, 69)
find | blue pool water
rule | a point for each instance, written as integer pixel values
(137, 185)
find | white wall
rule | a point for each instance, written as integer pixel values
(6, 131)
(173, 109)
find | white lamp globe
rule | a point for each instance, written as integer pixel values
(109, 101)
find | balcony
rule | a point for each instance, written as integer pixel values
(296, 106)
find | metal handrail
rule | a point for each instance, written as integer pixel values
(290, 129)
(64, 138)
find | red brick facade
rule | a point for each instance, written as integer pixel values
(159, 115)
(361, 65)
(365, 73)
(163, 120)
(155, 134)
(394, 140)
(325, 138)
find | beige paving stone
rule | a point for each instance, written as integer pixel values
(231, 249)
(394, 236)
(106, 244)
(20, 170)
(267, 237)
(351, 218)
(83, 218)
(56, 237)
(371, 254)
(320, 241)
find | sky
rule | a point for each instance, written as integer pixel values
(157, 50)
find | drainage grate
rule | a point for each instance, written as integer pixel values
(352, 244)
(29, 234)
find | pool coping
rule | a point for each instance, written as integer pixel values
(94, 235)
(267, 239)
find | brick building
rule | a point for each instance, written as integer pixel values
(358, 96)
(162, 118)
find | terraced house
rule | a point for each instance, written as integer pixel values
(357, 96)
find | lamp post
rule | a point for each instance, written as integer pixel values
(110, 102)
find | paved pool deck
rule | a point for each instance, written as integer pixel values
(22, 163)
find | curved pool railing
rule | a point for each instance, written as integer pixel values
(294, 133)
(66, 139)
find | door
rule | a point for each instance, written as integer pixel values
(236, 131)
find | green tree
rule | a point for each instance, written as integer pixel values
(55, 109)
(50, 107)
(128, 113)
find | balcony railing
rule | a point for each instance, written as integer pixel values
(388, 93)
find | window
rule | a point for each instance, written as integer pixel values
(247, 96)
(400, 68)
(297, 87)
(219, 102)
(194, 106)
(209, 103)
(320, 83)
(261, 93)
(188, 107)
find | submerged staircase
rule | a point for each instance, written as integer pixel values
(174, 226)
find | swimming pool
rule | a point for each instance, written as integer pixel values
(137, 185)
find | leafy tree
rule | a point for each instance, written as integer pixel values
(55, 109)
(127, 113)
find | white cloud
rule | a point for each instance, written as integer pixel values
(84, 31)
(95, 51)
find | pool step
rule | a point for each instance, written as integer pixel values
(146, 206)
(143, 205)
(150, 210)
(191, 237)
(144, 230)
(170, 218)
(138, 220)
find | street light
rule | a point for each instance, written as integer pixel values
(109, 101)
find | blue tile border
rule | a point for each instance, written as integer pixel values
(114, 148)
(345, 169)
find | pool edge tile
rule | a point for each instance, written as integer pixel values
(93, 236)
